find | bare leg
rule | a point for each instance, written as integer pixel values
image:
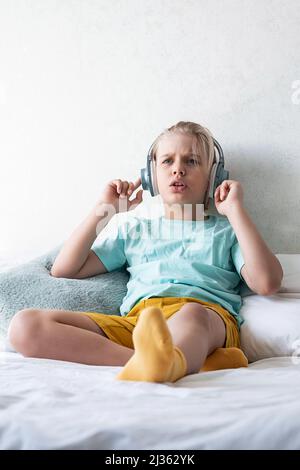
(64, 335)
(72, 336)
(197, 331)
(167, 351)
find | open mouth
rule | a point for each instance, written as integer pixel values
(178, 187)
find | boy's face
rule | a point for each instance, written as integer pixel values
(184, 166)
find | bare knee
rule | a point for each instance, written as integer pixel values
(24, 331)
(194, 314)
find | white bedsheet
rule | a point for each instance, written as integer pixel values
(48, 404)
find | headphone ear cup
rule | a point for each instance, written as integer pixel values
(144, 179)
(148, 179)
(153, 178)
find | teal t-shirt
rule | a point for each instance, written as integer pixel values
(175, 258)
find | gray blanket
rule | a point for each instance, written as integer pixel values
(31, 285)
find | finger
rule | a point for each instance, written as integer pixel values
(124, 189)
(138, 198)
(224, 191)
(118, 184)
(220, 191)
(217, 192)
(131, 188)
(137, 183)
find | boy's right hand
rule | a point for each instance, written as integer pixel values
(117, 191)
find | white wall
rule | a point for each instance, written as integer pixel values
(86, 86)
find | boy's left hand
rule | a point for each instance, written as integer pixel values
(227, 195)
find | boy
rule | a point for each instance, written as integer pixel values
(181, 311)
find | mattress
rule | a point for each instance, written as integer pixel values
(50, 404)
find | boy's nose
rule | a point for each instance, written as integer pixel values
(181, 172)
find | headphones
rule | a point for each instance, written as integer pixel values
(217, 174)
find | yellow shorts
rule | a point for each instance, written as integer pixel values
(119, 328)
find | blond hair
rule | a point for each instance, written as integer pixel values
(203, 143)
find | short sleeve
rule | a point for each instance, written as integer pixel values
(109, 246)
(237, 258)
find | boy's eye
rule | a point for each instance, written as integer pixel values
(190, 160)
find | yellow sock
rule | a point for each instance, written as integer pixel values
(225, 358)
(155, 359)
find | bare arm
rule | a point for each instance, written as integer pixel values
(262, 270)
(76, 260)
(76, 250)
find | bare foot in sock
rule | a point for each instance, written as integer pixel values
(155, 359)
(225, 358)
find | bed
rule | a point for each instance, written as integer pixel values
(49, 404)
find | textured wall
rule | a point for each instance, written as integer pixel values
(86, 86)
